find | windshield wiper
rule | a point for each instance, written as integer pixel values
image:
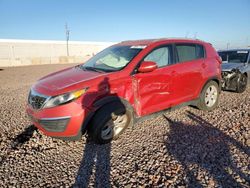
(91, 69)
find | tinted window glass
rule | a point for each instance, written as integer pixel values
(188, 52)
(200, 51)
(160, 56)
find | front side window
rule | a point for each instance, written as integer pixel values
(188, 52)
(239, 56)
(161, 56)
(112, 59)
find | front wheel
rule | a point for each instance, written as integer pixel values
(109, 122)
(242, 83)
(209, 97)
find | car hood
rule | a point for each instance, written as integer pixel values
(62, 81)
(230, 66)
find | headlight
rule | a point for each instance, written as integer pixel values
(64, 98)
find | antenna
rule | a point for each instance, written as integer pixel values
(187, 33)
(67, 37)
(195, 35)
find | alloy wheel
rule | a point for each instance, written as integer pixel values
(114, 126)
(211, 96)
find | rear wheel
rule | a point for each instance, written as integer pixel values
(109, 122)
(209, 97)
(242, 83)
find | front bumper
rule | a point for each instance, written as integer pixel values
(60, 121)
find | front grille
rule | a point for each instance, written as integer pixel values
(54, 125)
(36, 100)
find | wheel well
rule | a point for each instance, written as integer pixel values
(99, 104)
(216, 80)
(209, 80)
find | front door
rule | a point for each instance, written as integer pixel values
(153, 90)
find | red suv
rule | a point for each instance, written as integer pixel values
(122, 84)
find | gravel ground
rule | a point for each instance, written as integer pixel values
(185, 148)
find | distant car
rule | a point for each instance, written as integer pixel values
(124, 83)
(235, 69)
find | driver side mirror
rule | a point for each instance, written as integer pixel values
(147, 66)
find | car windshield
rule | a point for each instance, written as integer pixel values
(234, 56)
(111, 59)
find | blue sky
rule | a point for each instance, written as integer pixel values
(217, 21)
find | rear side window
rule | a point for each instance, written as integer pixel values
(200, 52)
(188, 52)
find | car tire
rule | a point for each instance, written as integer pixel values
(242, 83)
(209, 97)
(109, 122)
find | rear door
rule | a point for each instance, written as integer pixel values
(187, 78)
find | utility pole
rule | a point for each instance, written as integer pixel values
(67, 37)
(228, 44)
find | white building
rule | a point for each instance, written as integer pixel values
(32, 52)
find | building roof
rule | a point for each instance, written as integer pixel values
(54, 42)
(237, 49)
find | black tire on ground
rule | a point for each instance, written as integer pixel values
(241, 84)
(202, 104)
(104, 116)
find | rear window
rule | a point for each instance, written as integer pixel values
(239, 56)
(188, 52)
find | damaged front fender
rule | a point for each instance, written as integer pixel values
(230, 79)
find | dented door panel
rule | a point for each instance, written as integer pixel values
(153, 90)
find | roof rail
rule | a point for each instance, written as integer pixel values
(158, 39)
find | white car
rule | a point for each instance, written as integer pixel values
(235, 69)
